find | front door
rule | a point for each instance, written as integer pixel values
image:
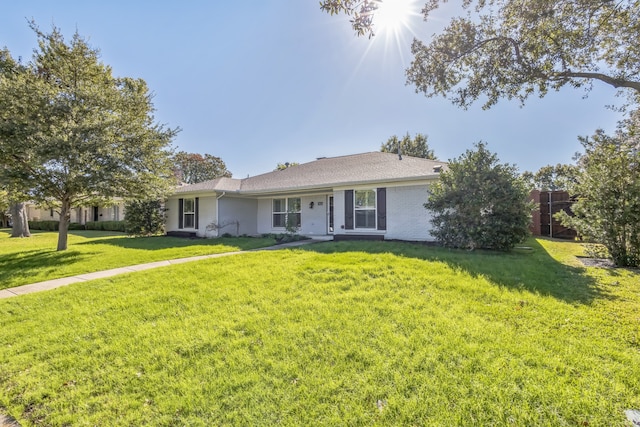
(95, 213)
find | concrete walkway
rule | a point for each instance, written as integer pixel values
(56, 283)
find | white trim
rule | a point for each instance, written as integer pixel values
(374, 209)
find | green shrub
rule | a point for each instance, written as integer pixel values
(480, 203)
(105, 225)
(144, 217)
(44, 225)
(608, 189)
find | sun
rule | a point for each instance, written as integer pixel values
(392, 16)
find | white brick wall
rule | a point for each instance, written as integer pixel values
(407, 219)
(264, 216)
(206, 216)
(338, 212)
(244, 211)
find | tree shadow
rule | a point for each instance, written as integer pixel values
(165, 242)
(143, 243)
(36, 262)
(531, 268)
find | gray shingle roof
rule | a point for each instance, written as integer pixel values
(356, 169)
(218, 184)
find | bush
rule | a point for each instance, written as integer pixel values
(44, 225)
(144, 217)
(90, 225)
(106, 225)
(608, 189)
(479, 203)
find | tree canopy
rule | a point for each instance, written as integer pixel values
(192, 168)
(480, 203)
(71, 133)
(517, 48)
(552, 178)
(415, 147)
(608, 189)
(285, 165)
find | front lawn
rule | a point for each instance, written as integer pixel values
(347, 333)
(34, 259)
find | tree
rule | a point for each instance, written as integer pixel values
(19, 220)
(192, 168)
(283, 166)
(144, 217)
(479, 203)
(608, 207)
(71, 133)
(517, 48)
(4, 208)
(12, 207)
(552, 178)
(416, 147)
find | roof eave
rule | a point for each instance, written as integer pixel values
(304, 188)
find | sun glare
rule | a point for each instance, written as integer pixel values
(392, 16)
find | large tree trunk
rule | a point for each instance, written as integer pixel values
(63, 228)
(20, 227)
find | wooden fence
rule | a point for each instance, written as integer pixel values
(549, 203)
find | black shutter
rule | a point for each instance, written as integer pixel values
(197, 211)
(180, 213)
(382, 208)
(348, 209)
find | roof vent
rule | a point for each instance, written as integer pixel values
(437, 169)
(320, 158)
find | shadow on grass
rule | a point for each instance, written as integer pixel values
(164, 242)
(533, 269)
(34, 262)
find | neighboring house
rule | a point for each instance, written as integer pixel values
(80, 215)
(370, 195)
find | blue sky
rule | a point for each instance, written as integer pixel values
(262, 82)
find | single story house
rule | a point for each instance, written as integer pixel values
(369, 195)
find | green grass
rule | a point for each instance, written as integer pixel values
(31, 260)
(332, 334)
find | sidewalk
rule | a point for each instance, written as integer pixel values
(63, 281)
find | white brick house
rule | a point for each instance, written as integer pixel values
(372, 195)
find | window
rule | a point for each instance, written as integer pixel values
(189, 213)
(365, 208)
(284, 209)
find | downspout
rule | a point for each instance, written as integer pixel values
(218, 211)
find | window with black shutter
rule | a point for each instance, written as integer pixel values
(348, 209)
(382, 208)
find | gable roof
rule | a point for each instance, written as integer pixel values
(328, 172)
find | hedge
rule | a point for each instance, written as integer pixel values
(105, 225)
(44, 225)
(91, 225)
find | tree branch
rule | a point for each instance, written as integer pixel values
(615, 82)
